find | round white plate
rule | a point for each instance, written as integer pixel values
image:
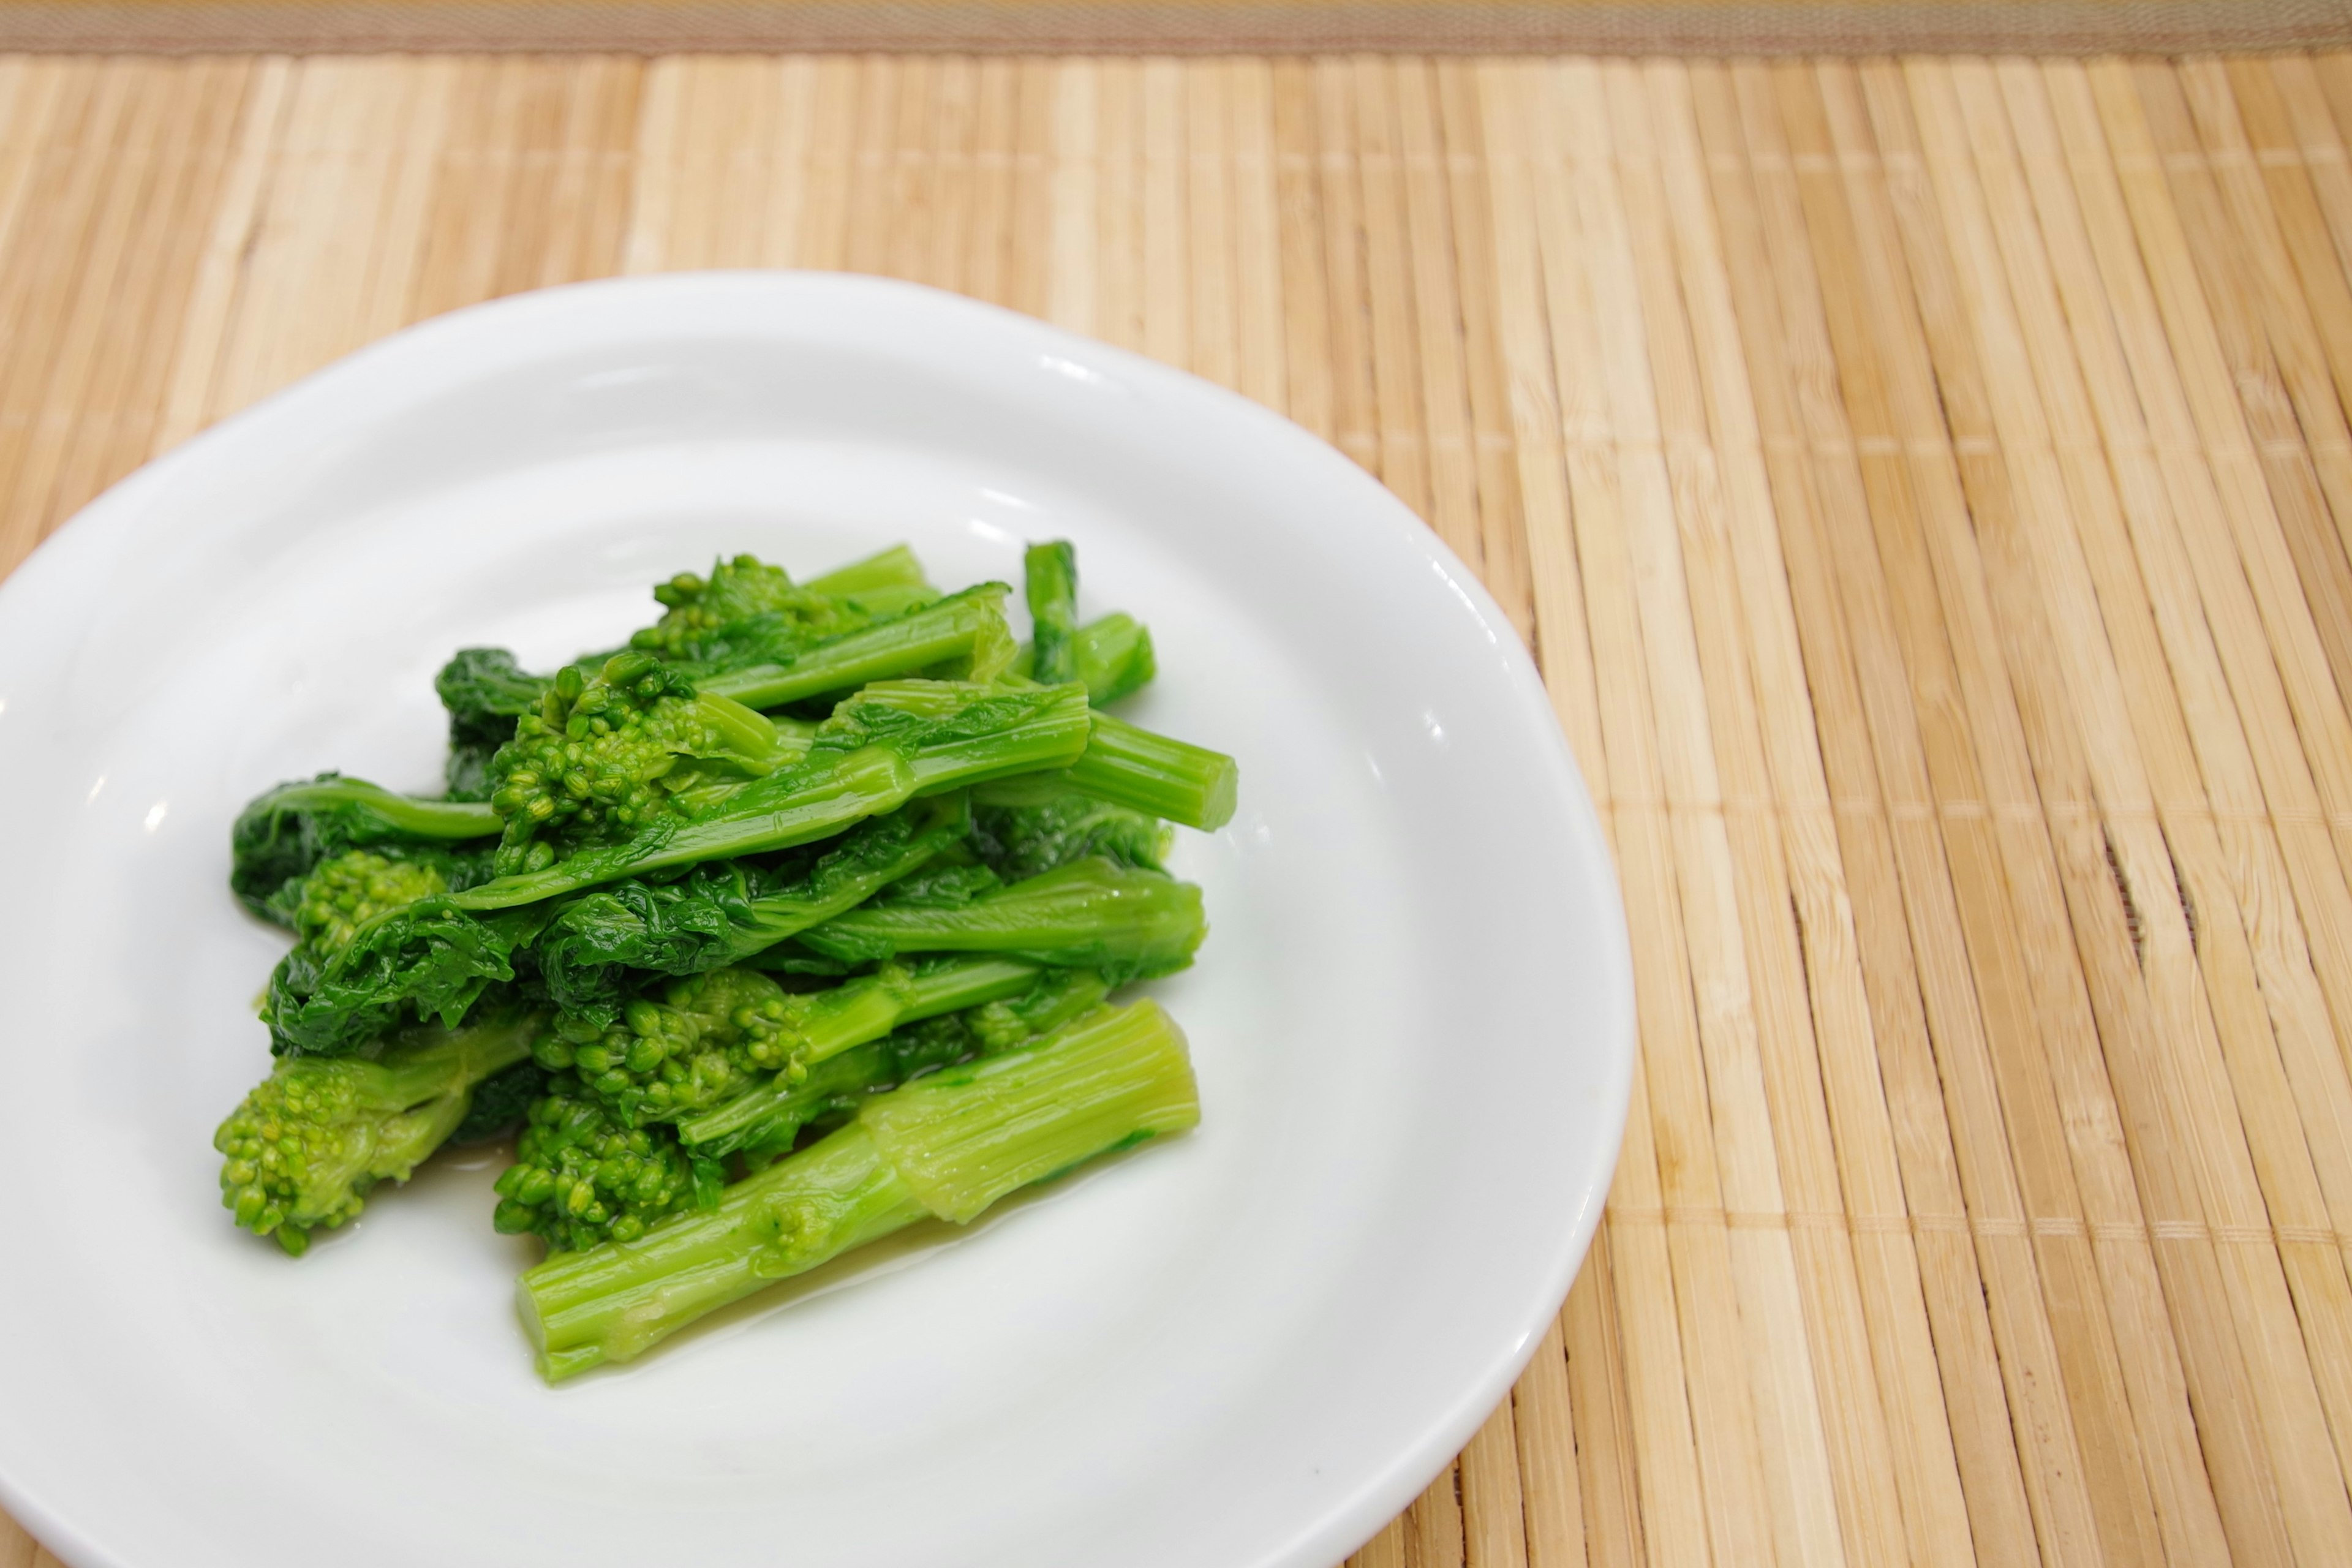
(1413, 1020)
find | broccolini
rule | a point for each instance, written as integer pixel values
(789, 922)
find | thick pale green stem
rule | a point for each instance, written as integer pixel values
(1051, 582)
(965, 629)
(774, 813)
(892, 571)
(451, 819)
(1092, 912)
(1166, 777)
(949, 1146)
(836, 1021)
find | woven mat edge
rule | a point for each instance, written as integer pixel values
(1176, 26)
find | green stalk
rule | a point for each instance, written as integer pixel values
(924, 749)
(965, 630)
(400, 813)
(1114, 658)
(948, 1145)
(774, 813)
(839, 1020)
(1092, 912)
(1050, 573)
(1157, 774)
(305, 1147)
(892, 570)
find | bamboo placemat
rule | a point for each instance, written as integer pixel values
(1926, 484)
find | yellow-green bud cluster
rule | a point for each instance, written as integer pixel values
(701, 1044)
(588, 765)
(581, 1177)
(346, 892)
(299, 1124)
(696, 608)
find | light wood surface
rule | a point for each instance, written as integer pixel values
(1926, 487)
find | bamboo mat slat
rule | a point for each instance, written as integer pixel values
(1925, 486)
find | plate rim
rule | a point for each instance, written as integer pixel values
(1384, 1492)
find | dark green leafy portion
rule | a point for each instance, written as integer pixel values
(501, 1103)
(426, 960)
(285, 833)
(1020, 829)
(484, 691)
(722, 911)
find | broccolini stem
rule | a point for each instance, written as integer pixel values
(891, 573)
(1155, 774)
(1051, 573)
(451, 820)
(968, 626)
(1115, 657)
(1092, 912)
(849, 1015)
(865, 782)
(828, 793)
(949, 1146)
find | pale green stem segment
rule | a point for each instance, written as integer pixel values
(949, 1146)
(1169, 778)
(849, 1015)
(1091, 912)
(800, 805)
(451, 820)
(1115, 657)
(865, 782)
(1050, 573)
(964, 632)
(894, 571)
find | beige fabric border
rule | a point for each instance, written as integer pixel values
(1180, 26)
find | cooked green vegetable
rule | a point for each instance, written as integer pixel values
(788, 925)
(306, 1146)
(484, 691)
(890, 743)
(1093, 914)
(946, 1146)
(963, 637)
(284, 834)
(722, 911)
(1052, 572)
(768, 1117)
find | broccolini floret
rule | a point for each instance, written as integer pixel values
(348, 892)
(285, 832)
(581, 1175)
(696, 1042)
(306, 1145)
(485, 690)
(603, 755)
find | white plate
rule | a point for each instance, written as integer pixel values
(1413, 1020)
